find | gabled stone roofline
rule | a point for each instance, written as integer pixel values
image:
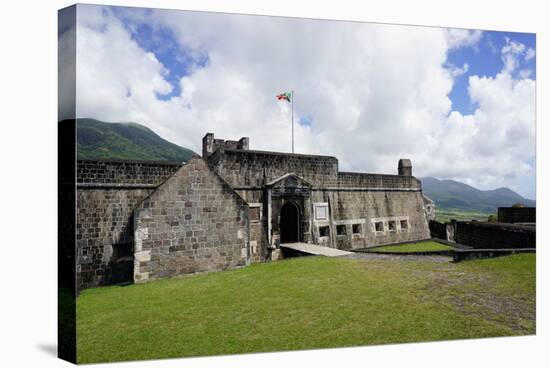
(281, 178)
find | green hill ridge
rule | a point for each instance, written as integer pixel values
(130, 141)
(452, 194)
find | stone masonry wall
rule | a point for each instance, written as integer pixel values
(124, 172)
(193, 222)
(108, 191)
(258, 228)
(105, 235)
(243, 168)
(382, 181)
(438, 229)
(257, 168)
(487, 235)
(355, 198)
(364, 209)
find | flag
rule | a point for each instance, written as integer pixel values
(284, 96)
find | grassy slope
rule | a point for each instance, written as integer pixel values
(426, 246)
(130, 141)
(308, 302)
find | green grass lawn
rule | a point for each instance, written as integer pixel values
(305, 303)
(446, 214)
(426, 246)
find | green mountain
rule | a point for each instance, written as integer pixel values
(456, 195)
(130, 141)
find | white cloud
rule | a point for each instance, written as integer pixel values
(510, 55)
(457, 72)
(530, 54)
(494, 146)
(525, 73)
(463, 37)
(376, 93)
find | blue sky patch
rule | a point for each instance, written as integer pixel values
(178, 61)
(306, 120)
(485, 60)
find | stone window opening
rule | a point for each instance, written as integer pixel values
(392, 226)
(404, 224)
(356, 229)
(341, 230)
(324, 231)
(379, 226)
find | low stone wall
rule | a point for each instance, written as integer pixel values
(438, 230)
(488, 235)
(514, 215)
(468, 254)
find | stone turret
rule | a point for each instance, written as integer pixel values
(211, 145)
(405, 167)
(207, 145)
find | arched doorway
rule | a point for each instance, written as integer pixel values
(290, 223)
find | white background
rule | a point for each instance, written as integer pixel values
(28, 144)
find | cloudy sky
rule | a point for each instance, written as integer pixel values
(459, 103)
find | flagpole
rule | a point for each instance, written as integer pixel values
(292, 103)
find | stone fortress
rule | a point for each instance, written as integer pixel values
(143, 220)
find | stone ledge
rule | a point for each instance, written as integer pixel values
(134, 162)
(115, 185)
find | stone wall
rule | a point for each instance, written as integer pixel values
(211, 145)
(378, 181)
(124, 172)
(355, 215)
(513, 215)
(438, 230)
(490, 235)
(194, 222)
(357, 200)
(242, 168)
(105, 234)
(107, 193)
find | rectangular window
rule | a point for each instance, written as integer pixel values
(379, 226)
(254, 214)
(321, 212)
(341, 230)
(392, 226)
(356, 228)
(404, 224)
(324, 231)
